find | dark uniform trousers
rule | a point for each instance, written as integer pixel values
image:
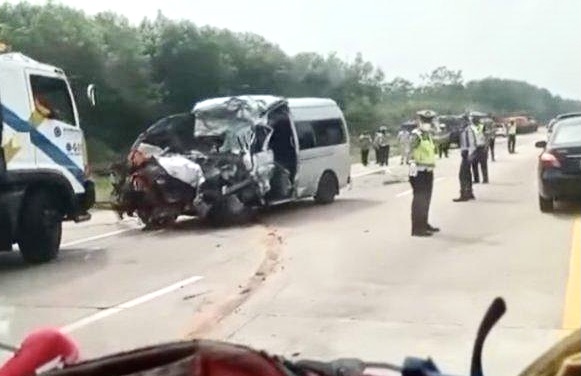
(422, 186)
(511, 143)
(491, 147)
(443, 148)
(382, 154)
(465, 176)
(480, 160)
(364, 156)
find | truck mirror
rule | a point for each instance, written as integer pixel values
(91, 94)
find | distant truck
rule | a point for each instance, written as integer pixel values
(43, 158)
(453, 125)
(524, 124)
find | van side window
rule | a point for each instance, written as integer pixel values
(305, 134)
(52, 96)
(329, 132)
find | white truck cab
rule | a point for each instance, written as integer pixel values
(43, 158)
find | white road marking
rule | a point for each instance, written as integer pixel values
(409, 191)
(96, 237)
(404, 193)
(129, 304)
(365, 173)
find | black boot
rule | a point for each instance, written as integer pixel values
(431, 228)
(422, 233)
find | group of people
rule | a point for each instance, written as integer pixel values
(477, 139)
(380, 142)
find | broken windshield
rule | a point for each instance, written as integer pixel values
(233, 121)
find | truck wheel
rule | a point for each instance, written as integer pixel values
(327, 190)
(40, 228)
(546, 205)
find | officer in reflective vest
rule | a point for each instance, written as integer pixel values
(481, 159)
(422, 161)
(468, 154)
(511, 136)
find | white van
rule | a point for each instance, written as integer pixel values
(230, 155)
(308, 137)
(324, 162)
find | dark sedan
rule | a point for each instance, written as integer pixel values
(559, 117)
(559, 168)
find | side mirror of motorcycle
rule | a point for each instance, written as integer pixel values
(496, 310)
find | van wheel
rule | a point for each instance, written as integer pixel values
(546, 205)
(327, 190)
(40, 228)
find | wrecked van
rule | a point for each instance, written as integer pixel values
(231, 155)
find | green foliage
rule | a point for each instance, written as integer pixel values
(162, 66)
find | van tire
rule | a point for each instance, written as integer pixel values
(327, 189)
(40, 227)
(546, 205)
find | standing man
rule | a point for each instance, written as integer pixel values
(443, 139)
(511, 136)
(490, 130)
(365, 143)
(422, 161)
(481, 159)
(376, 138)
(382, 146)
(468, 152)
(403, 138)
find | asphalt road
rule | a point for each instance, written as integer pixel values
(323, 281)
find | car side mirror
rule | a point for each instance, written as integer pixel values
(541, 144)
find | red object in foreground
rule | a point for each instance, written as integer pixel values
(38, 349)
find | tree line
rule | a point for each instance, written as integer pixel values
(161, 66)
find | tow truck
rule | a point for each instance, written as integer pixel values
(43, 157)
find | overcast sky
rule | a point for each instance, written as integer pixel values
(533, 40)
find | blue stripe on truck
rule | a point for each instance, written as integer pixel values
(43, 143)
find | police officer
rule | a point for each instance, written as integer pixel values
(490, 132)
(481, 157)
(511, 136)
(403, 138)
(468, 153)
(443, 139)
(422, 160)
(365, 143)
(382, 146)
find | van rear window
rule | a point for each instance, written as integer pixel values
(320, 133)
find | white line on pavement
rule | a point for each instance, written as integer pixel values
(409, 191)
(404, 193)
(129, 304)
(96, 237)
(365, 173)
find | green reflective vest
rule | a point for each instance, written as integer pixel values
(425, 153)
(479, 134)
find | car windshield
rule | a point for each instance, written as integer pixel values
(234, 130)
(174, 132)
(568, 132)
